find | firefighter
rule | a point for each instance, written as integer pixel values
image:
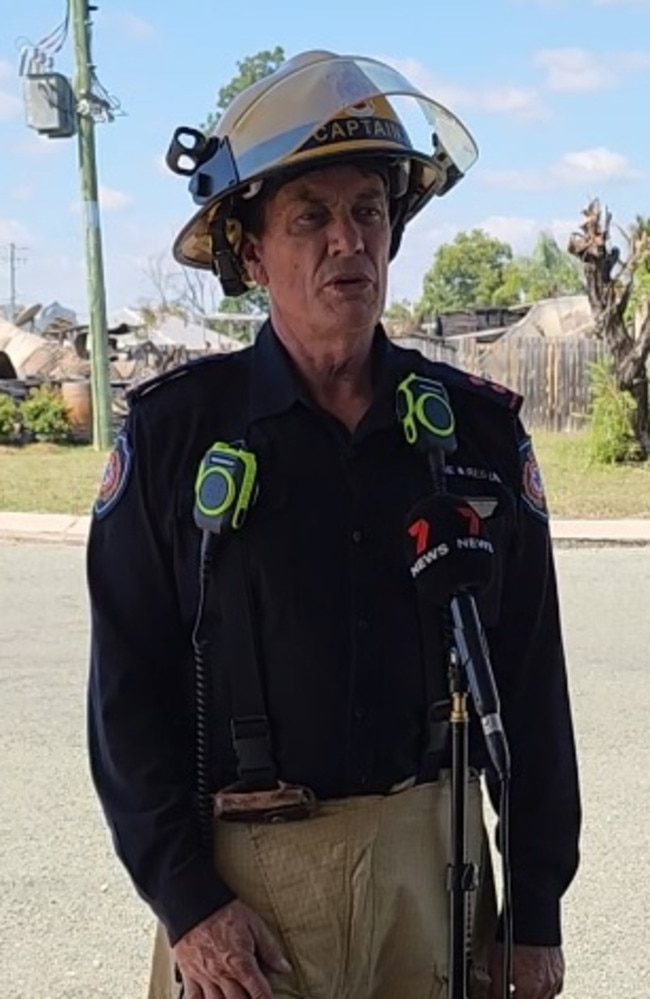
(262, 663)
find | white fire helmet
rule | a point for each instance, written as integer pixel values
(317, 109)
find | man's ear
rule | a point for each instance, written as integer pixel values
(252, 261)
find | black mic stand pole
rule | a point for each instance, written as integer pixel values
(461, 875)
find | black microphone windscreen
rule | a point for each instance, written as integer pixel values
(447, 548)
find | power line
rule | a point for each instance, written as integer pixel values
(12, 256)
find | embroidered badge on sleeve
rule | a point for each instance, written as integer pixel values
(115, 477)
(532, 486)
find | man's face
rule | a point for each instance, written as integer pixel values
(323, 254)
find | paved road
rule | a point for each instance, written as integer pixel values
(70, 926)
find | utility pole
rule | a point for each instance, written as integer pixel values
(100, 382)
(13, 259)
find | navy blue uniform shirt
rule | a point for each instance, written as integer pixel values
(341, 638)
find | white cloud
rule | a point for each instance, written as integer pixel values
(519, 232)
(10, 103)
(594, 3)
(521, 102)
(577, 70)
(10, 106)
(129, 24)
(515, 180)
(136, 26)
(111, 200)
(22, 192)
(597, 165)
(48, 277)
(36, 145)
(574, 69)
(522, 233)
(12, 231)
(562, 229)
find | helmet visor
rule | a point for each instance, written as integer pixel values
(286, 116)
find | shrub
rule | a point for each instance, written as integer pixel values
(611, 438)
(44, 414)
(8, 416)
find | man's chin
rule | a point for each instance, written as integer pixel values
(354, 312)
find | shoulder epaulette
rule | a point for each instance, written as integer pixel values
(493, 391)
(150, 385)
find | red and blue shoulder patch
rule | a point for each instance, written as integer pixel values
(115, 476)
(532, 485)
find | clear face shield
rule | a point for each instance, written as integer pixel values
(280, 120)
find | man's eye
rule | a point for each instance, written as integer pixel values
(371, 212)
(311, 215)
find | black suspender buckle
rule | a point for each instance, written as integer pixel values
(251, 738)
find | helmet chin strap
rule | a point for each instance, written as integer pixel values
(225, 261)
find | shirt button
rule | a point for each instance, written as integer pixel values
(362, 624)
(356, 537)
(359, 713)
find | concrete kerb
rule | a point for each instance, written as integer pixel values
(65, 529)
(59, 528)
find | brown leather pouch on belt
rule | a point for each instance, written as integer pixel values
(284, 803)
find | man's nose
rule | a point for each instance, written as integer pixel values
(345, 235)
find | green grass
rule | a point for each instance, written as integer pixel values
(575, 487)
(49, 478)
(46, 478)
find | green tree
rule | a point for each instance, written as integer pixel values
(639, 241)
(254, 304)
(250, 70)
(401, 317)
(465, 273)
(548, 272)
(619, 295)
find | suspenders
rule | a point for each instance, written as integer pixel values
(259, 793)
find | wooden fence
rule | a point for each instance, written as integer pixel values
(552, 375)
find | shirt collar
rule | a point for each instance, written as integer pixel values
(276, 384)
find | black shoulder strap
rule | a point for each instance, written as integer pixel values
(226, 568)
(249, 724)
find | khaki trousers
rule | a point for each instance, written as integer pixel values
(356, 895)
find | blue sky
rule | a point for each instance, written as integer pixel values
(556, 93)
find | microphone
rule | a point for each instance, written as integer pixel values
(451, 558)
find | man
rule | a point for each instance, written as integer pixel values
(288, 639)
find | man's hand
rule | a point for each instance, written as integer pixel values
(222, 957)
(538, 972)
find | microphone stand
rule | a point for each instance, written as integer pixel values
(470, 673)
(428, 423)
(461, 875)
